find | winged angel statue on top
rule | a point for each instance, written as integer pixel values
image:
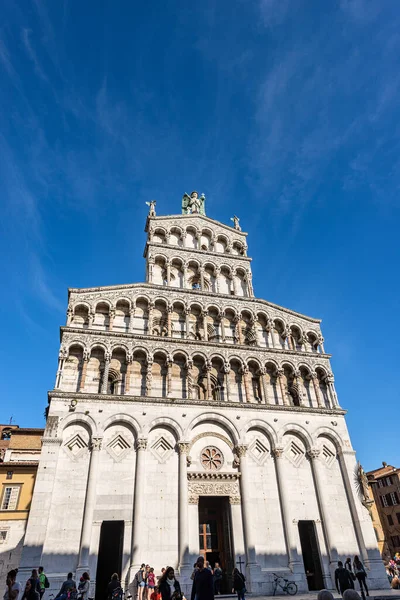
(193, 204)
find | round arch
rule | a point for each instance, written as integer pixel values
(296, 429)
(216, 418)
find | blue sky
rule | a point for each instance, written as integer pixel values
(282, 111)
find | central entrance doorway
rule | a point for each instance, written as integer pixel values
(215, 536)
(109, 559)
(311, 556)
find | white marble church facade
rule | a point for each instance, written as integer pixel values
(189, 416)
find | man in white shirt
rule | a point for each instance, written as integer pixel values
(13, 589)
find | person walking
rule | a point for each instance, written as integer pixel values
(349, 568)
(343, 579)
(203, 583)
(170, 588)
(239, 583)
(140, 581)
(32, 588)
(217, 578)
(151, 582)
(43, 581)
(84, 586)
(13, 589)
(361, 574)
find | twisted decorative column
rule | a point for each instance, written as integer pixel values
(168, 273)
(245, 492)
(208, 368)
(217, 274)
(104, 383)
(189, 376)
(324, 504)
(298, 380)
(185, 283)
(168, 364)
(284, 492)
(138, 529)
(90, 501)
(149, 376)
(150, 264)
(227, 370)
(169, 320)
(239, 331)
(222, 325)
(184, 448)
(85, 360)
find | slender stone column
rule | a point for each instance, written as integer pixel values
(184, 238)
(111, 319)
(250, 283)
(279, 374)
(185, 267)
(129, 359)
(85, 360)
(131, 319)
(62, 356)
(91, 319)
(227, 370)
(324, 505)
(189, 378)
(168, 273)
(150, 264)
(150, 319)
(169, 320)
(284, 491)
(234, 281)
(245, 492)
(138, 529)
(314, 378)
(183, 448)
(245, 376)
(329, 380)
(90, 500)
(104, 384)
(204, 315)
(168, 364)
(217, 274)
(202, 278)
(299, 383)
(270, 330)
(187, 313)
(264, 385)
(239, 332)
(222, 325)
(208, 374)
(149, 376)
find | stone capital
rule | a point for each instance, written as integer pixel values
(184, 447)
(241, 450)
(313, 453)
(141, 444)
(95, 443)
(278, 452)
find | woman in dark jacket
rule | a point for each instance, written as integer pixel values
(169, 587)
(361, 574)
(239, 584)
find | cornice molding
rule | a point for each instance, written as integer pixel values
(193, 217)
(102, 398)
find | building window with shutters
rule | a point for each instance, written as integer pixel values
(390, 519)
(9, 500)
(3, 535)
(384, 502)
(394, 498)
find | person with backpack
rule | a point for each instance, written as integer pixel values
(343, 579)
(361, 574)
(43, 581)
(140, 581)
(217, 578)
(239, 583)
(349, 568)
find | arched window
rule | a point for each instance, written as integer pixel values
(6, 434)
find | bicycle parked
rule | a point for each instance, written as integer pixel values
(289, 587)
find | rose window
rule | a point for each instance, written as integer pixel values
(211, 458)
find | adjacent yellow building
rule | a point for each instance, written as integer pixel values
(19, 460)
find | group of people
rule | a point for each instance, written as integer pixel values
(346, 575)
(206, 583)
(393, 571)
(37, 584)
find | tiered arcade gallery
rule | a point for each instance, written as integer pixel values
(189, 417)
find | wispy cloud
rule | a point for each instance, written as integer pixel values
(26, 33)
